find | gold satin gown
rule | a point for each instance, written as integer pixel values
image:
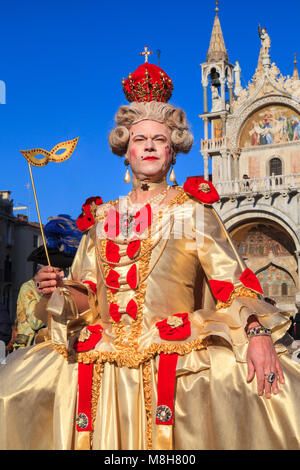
(214, 407)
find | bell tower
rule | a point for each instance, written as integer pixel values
(217, 82)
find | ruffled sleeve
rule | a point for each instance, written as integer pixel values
(235, 288)
(84, 265)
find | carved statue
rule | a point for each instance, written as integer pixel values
(237, 76)
(216, 99)
(265, 40)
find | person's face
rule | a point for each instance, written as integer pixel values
(149, 150)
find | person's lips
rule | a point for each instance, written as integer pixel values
(150, 158)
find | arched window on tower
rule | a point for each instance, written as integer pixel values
(276, 170)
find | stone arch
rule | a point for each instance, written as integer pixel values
(255, 106)
(207, 72)
(277, 282)
(234, 218)
(268, 249)
(229, 72)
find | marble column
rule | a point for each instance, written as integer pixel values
(205, 105)
(297, 302)
(206, 169)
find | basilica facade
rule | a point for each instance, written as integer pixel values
(252, 144)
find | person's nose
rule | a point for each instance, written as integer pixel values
(149, 145)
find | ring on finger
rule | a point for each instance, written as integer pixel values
(270, 377)
(38, 284)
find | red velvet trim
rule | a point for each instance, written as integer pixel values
(112, 252)
(221, 289)
(143, 219)
(166, 383)
(85, 378)
(132, 278)
(90, 343)
(92, 285)
(191, 186)
(170, 333)
(133, 248)
(248, 279)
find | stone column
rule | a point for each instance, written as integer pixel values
(205, 105)
(230, 96)
(223, 126)
(205, 120)
(206, 170)
(297, 302)
(236, 166)
(222, 81)
(229, 163)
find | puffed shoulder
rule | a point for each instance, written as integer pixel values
(202, 190)
(87, 217)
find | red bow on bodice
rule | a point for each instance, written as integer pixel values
(131, 310)
(141, 221)
(113, 251)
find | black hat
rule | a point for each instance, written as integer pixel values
(58, 259)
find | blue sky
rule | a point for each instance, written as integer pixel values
(63, 62)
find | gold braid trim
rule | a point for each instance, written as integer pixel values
(96, 385)
(122, 339)
(129, 357)
(238, 292)
(147, 385)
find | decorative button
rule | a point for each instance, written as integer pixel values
(163, 413)
(82, 421)
(174, 321)
(84, 335)
(204, 187)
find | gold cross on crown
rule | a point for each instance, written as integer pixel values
(146, 53)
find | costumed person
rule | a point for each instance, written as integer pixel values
(159, 338)
(63, 238)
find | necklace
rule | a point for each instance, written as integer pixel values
(149, 185)
(153, 201)
(129, 211)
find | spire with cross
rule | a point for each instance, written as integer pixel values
(146, 53)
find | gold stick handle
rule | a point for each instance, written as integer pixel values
(39, 216)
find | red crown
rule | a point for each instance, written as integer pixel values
(148, 83)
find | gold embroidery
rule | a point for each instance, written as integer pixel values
(147, 385)
(96, 385)
(238, 292)
(204, 187)
(129, 357)
(123, 339)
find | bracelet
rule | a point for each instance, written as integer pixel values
(258, 331)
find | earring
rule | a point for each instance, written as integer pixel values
(127, 177)
(172, 176)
